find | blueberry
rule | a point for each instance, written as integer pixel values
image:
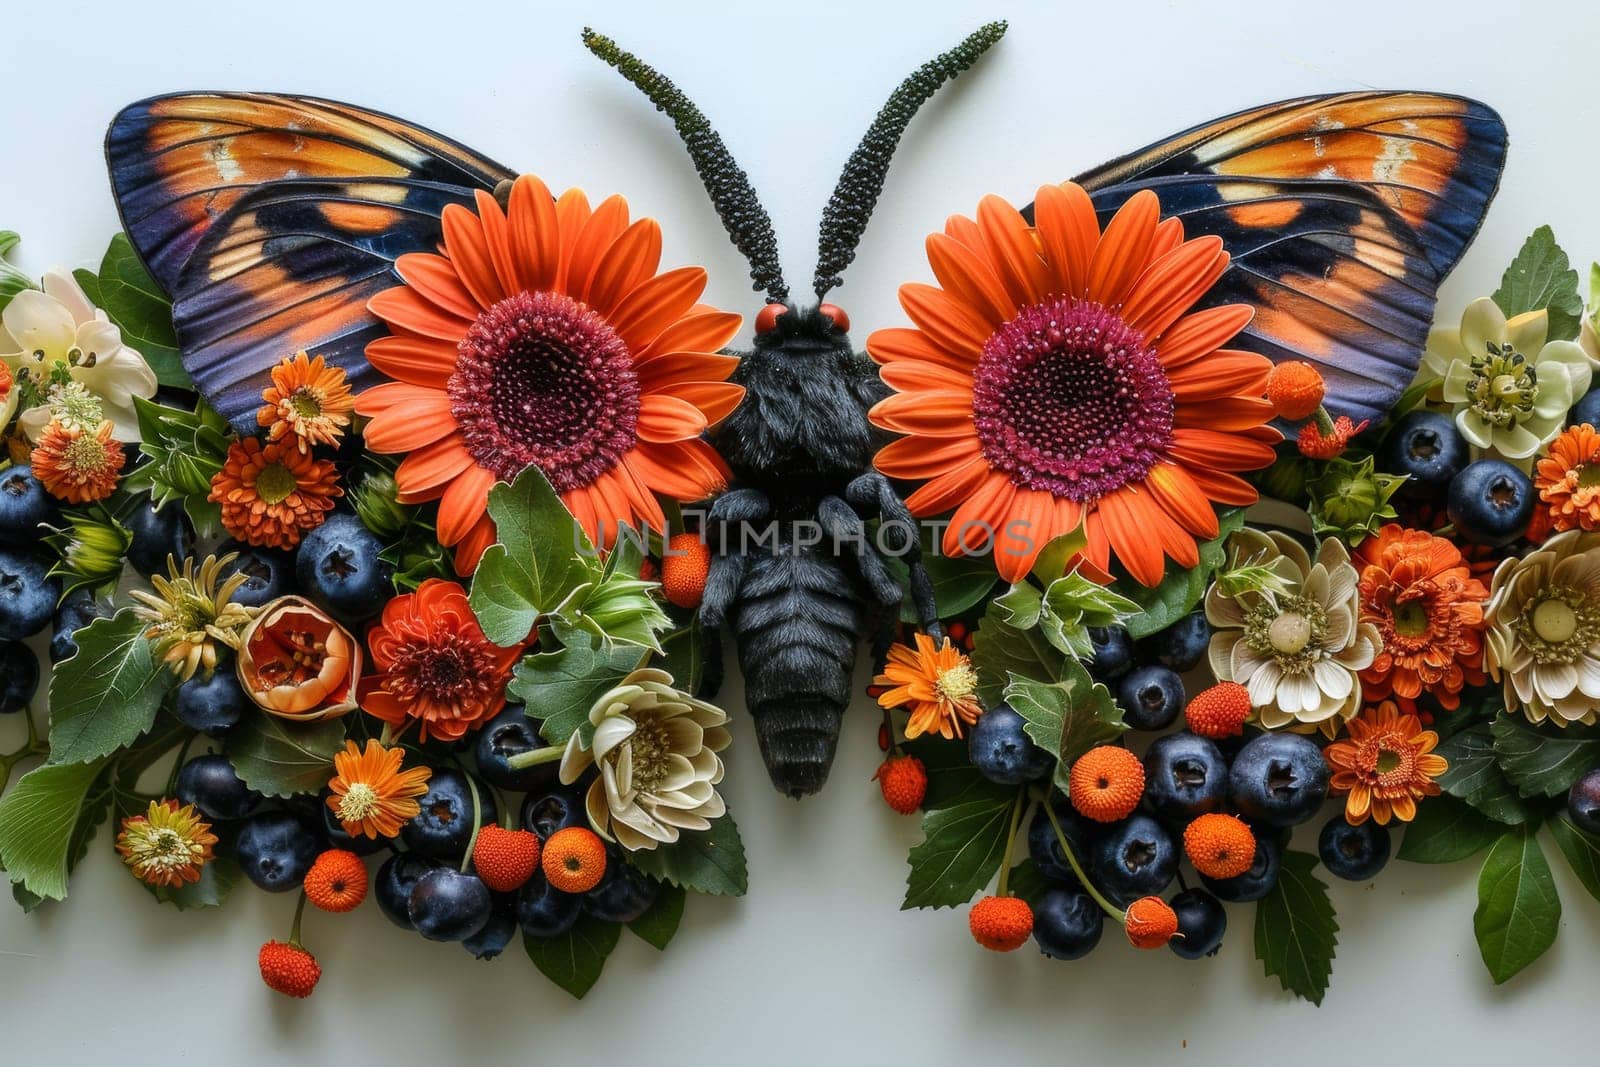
(1201, 923)
(1490, 502)
(545, 911)
(77, 609)
(269, 573)
(1044, 848)
(334, 831)
(1279, 779)
(337, 565)
(276, 850)
(1136, 858)
(449, 905)
(1182, 645)
(1185, 776)
(624, 893)
(1067, 924)
(1112, 652)
(1586, 410)
(213, 705)
(1002, 751)
(497, 933)
(157, 534)
(1151, 697)
(1258, 881)
(19, 676)
(507, 734)
(558, 809)
(443, 826)
(1583, 802)
(1426, 447)
(28, 595)
(24, 507)
(396, 879)
(1354, 853)
(211, 784)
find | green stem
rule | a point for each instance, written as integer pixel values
(177, 764)
(1323, 420)
(477, 822)
(1011, 840)
(1072, 858)
(299, 913)
(534, 757)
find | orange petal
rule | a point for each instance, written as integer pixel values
(664, 418)
(1023, 536)
(472, 546)
(702, 330)
(1097, 548)
(658, 309)
(611, 507)
(1173, 284)
(918, 459)
(463, 504)
(969, 278)
(435, 280)
(1226, 413)
(962, 229)
(572, 214)
(535, 234)
(430, 467)
(578, 502)
(402, 307)
(677, 470)
(1219, 451)
(1172, 486)
(418, 360)
(1063, 216)
(933, 414)
(980, 516)
(907, 376)
(945, 491)
(413, 416)
(716, 400)
(497, 238)
(1201, 333)
(946, 322)
(645, 505)
(1224, 488)
(1169, 235)
(898, 344)
(675, 368)
(1225, 373)
(630, 261)
(1129, 530)
(1124, 248)
(603, 227)
(464, 243)
(1013, 252)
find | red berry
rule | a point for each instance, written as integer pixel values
(288, 969)
(505, 859)
(904, 781)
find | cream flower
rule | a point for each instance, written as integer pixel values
(656, 748)
(1510, 388)
(1543, 641)
(1298, 647)
(56, 332)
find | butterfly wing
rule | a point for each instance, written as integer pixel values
(271, 220)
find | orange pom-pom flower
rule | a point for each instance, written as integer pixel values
(1001, 924)
(574, 859)
(1219, 846)
(1295, 389)
(1150, 922)
(337, 881)
(1106, 783)
(684, 567)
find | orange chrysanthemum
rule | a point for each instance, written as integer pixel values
(1106, 783)
(1421, 594)
(936, 684)
(1058, 377)
(542, 335)
(433, 664)
(1384, 766)
(272, 494)
(370, 794)
(167, 845)
(307, 401)
(1568, 479)
(78, 465)
(1219, 845)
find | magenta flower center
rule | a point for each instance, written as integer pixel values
(1070, 399)
(542, 379)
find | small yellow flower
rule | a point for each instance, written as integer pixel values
(167, 846)
(191, 613)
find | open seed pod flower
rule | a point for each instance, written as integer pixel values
(297, 663)
(1543, 641)
(167, 845)
(657, 753)
(191, 613)
(1296, 646)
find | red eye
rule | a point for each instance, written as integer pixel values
(835, 314)
(767, 317)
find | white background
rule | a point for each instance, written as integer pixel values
(818, 962)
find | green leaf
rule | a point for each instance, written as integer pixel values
(952, 779)
(659, 923)
(1054, 557)
(574, 960)
(1026, 882)
(961, 849)
(1296, 929)
(217, 880)
(39, 820)
(283, 759)
(1518, 909)
(1066, 718)
(1539, 763)
(1475, 776)
(186, 449)
(1594, 296)
(1071, 605)
(1581, 849)
(1001, 650)
(1447, 830)
(1541, 277)
(1182, 587)
(682, 656)
(617, 610)
(959, 584)
(708, 861)
(133, 300)
(560, 686)
(108, 693)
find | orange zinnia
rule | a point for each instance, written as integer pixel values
(370, 795)
(1420, 593)
(308, 401)
(78, 465)
(543, 336)
(1385, 766)
(272, 494)
(1058, 378)
(937, 685)
(1568, 479)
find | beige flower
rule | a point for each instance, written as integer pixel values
(191, 614)
(656, 748)
(1297, 647)
(1543, 641)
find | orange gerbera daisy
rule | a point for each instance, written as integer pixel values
(543, 336)
(78, 465)
(369, 793)
(937, 685)
(1058, 378)
(434, 665)
(272, 494)
(307, 400)
(1385, 765)
(1421, 594)
(1568, 479)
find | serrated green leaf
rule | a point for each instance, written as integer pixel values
(1001, 650)
(38, 817)
(709, 861)
(952, 779)
(281, 759)
(1066, 718)
(136, 304)
(961, 849)
(1541, 763)
(1296, 929)
(574, 960)
(1541, 277)
(1182, 587)
(1447, 830)
(657, 926)
(1053, 559)
(1519, 911)
(1581, 849)
(107, 694)
(559, 687)
(1475, 777)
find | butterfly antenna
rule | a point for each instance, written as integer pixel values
(845, 217)
(731, 194)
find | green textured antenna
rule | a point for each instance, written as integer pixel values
(845, 217)
(731, 194)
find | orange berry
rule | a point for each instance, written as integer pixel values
(574, 859)
(1000, 923)
(505, 859)
(288, 969)
(1106, 783)
(337, 881)
(904, 781)
(1219, 846)
(683, 570)
(1220, 711)
(1295, 389)
(1150, 923)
